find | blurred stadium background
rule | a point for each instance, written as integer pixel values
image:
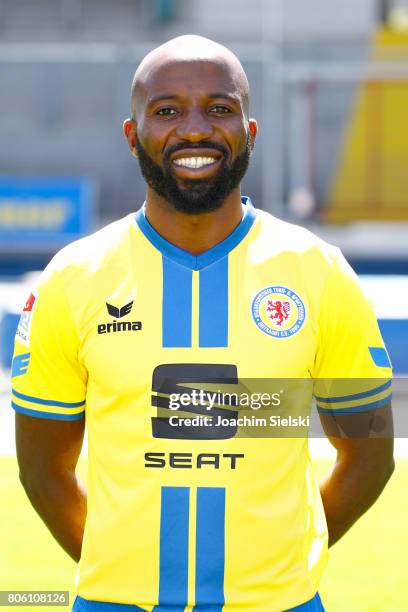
(330, 91)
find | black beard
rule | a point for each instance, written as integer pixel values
(194, 196)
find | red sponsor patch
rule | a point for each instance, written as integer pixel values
(24, 326)
(29, 303)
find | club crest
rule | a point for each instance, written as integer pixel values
(278, 311)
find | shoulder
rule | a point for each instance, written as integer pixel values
(278, 237)
(84, 258)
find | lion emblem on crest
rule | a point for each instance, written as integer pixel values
(278, 311)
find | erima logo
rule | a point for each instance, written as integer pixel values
(118, 313)
(119, 326)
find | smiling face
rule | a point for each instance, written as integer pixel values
(190, 128)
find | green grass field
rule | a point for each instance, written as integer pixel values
(367, 572)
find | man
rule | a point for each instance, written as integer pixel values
(198, 286)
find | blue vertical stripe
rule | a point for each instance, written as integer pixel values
(173, 581)
(213, 310)
(177, 304)
(210, 554)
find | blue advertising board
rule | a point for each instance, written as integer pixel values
(44, 213)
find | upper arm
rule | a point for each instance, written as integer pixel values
(349, 345)
(46, 445)
(352, 372)
(48, 381)
(353, 376)
(362, 436)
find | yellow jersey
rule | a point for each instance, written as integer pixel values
(191, 518)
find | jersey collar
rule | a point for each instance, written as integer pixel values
(197, 262)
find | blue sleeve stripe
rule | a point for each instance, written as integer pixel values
(48, 415)
(356, 396)
(43, 402)
(379, 356)
(364, 408)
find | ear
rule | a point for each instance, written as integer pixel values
(253, 131)
(130, 133)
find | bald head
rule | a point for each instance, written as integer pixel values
(189, 50)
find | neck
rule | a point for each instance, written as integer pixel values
(194, 233)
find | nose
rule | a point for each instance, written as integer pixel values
(195, 126)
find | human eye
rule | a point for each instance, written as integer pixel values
(166, 111)
(220, 109)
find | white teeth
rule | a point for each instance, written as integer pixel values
(194, 162)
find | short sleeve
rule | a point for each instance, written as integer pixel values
(47, 379)
(352, 369)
